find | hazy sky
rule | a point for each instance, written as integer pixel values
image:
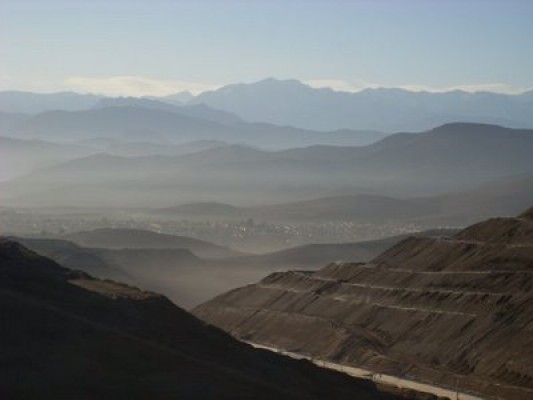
(159, 47)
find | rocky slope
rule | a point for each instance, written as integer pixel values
(455, 312)
(67, 335)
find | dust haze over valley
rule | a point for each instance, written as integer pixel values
(369, 212)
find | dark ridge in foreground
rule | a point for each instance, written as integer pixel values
(452, 311)
(66, 335)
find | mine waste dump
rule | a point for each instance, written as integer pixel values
(454, 312)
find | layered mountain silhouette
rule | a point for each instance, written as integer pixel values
(34, 103)
(116, 238)
(22, 156)
(196, 111)
(449, 158)
(182, 269)
(9, 122)
(19, 157)
(290, 102)
(314, 256)
(453, 311)
(293, 103)
(68, 335)
(155, 121)
(502, 197)
(332, 208)
(141, 148)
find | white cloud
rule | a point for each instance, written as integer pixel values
(346, 86)
(338, 85)
(137, 86)
(482, 87)
(134, 86)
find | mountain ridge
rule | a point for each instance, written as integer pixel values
(152, 120)
(293, 103)
(122, 238)
(502, 197)
(290, 102)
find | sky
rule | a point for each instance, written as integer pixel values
(159, 47)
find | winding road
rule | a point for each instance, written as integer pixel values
(377, 378)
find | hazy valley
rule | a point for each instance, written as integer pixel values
(176, 224)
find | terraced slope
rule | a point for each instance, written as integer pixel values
(456, 312)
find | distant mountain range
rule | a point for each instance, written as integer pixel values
(115, 238)
(449, 158)
(332, 208)
(140, 149)
(292, 103)
(200, 111)
(144, 120)
(22, 156)
(502, 197)
(34, 103)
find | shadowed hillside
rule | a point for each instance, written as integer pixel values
(72, 336)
